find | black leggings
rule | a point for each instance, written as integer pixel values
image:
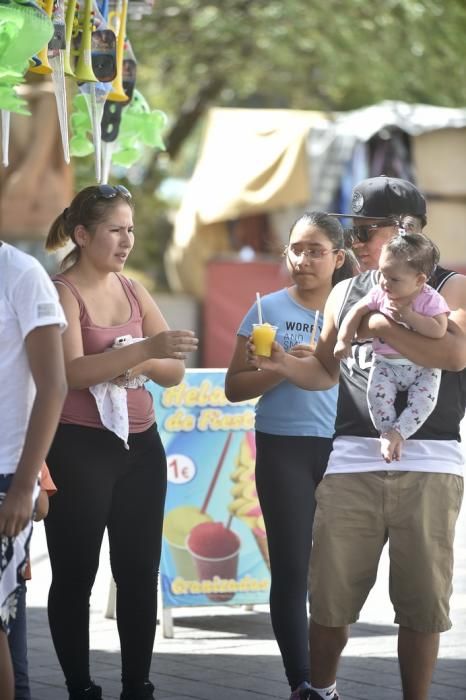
(102, 485)
(288, 469)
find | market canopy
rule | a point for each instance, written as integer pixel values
(256, 161)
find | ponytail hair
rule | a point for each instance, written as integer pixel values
(60, 233)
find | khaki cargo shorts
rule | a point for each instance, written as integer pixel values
(355, 516)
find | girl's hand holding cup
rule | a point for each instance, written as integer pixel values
(273, 362)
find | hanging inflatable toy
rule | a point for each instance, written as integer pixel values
(104, 68)
(122, 85)
(50, 60)
(140, 128)
(25, 29)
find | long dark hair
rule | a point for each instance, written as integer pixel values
(335, 232)
(89, 208)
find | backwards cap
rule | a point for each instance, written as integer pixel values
(382, 197)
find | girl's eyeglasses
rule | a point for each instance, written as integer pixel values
(295, 253)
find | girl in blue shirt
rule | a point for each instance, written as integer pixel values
(294, 428)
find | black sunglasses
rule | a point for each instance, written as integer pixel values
(110, 191)
(362, 232)
(104, 192)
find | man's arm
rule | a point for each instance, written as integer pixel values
(317, 372)
(45, 355)
(429, 326)
(348, 328)
(448, 352)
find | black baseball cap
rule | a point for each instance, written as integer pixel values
(383, 197)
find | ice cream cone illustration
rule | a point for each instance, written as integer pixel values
(245, 504)
(261, 539)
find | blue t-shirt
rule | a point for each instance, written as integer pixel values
(287, 409)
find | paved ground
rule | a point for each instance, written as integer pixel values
(230, 653)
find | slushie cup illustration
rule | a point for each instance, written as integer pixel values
(263, 335)
(214, 550)
(177, 525)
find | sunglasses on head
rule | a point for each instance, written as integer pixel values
(362, 232)
(111, 191)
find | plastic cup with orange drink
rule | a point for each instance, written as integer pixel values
(263, 335)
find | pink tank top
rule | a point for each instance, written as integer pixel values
(80, 407)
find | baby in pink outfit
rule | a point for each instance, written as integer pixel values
(406, 263)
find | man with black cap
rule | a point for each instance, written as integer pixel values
(361, 505)
(380, 205)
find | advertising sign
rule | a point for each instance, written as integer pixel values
(214, 545)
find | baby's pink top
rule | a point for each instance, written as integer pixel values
(428, 303)
(80, 407)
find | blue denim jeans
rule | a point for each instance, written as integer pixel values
(17, 640)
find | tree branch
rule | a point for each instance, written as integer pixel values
(188, 117)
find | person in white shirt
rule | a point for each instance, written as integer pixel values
(32, 391)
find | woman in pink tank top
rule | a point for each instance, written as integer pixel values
(107, 459)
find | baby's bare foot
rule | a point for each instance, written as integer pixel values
(391, 443)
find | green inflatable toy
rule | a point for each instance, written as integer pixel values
(140, 127)
(24, 30)
(81, 127)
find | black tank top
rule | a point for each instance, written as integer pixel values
(352, 412)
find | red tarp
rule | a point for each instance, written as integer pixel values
(231, 288)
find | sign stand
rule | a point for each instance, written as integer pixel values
(214, 549)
